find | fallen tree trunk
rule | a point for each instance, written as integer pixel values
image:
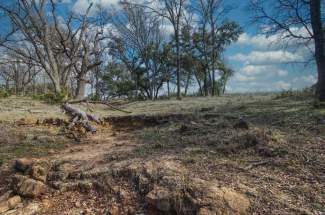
(99, 102)
(80, 116)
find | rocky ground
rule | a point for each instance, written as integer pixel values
(264, 156)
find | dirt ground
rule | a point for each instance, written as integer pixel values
(243, 154)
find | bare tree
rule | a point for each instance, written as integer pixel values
(138, 44)
(173, 11)
(283, 17)
(37, 24)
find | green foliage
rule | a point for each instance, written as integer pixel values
(52, 98)
(94, 97)
(4, 93)
(1, 162)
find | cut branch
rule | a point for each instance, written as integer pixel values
(80, 116)
(99, 102)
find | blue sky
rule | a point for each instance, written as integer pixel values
(259, 63)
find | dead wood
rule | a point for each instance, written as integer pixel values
(80, 116)
(257, 163)
(99, 102)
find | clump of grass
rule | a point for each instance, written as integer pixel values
(295, 94)
(32, 142)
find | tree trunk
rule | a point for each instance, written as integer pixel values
(187, 84)
(205, 83)
(319, 39)
(168, 89)
(81, 88)
(57, 86)
(178, 62)
(7, 85)
(213, 55)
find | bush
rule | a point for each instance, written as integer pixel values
(295, 94)
(4, 93)
(52, 98)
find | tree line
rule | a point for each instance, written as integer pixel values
(135, 51)
(142, 51)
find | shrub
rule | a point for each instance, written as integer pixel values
(4, 93)
(295, 94)
(51, 97)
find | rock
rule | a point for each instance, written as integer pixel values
(205, 211)
(30, 209)
(9, 204)
(241, 124)
(27, 187)
(4, 207)
(13, 202)
(46, 204)
(160, 198)
(23, 164)
(77, 204)
(38, 172)
(213, 199)
(237, 202)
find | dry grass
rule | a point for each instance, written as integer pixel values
(278, 162)
(15, 108)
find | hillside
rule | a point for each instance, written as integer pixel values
(235, 154)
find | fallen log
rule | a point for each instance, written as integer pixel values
(99, 102)
(80, 116)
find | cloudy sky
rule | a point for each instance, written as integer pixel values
(260, 62)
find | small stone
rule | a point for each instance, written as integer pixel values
(38, 173)
(4, 207)
(31, 209)
(27, 187)
(13, 202)
(23, 164)
(205, 211)
(160, 199)
(235, 201)
(77, 204)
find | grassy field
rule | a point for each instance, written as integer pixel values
(277, 158)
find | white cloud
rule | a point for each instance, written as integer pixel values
(269, 70)
(307, 80)
(243, 78)
(282, 73)
(275, 41)
(267, 57)
(282, 85)
(81, 6)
